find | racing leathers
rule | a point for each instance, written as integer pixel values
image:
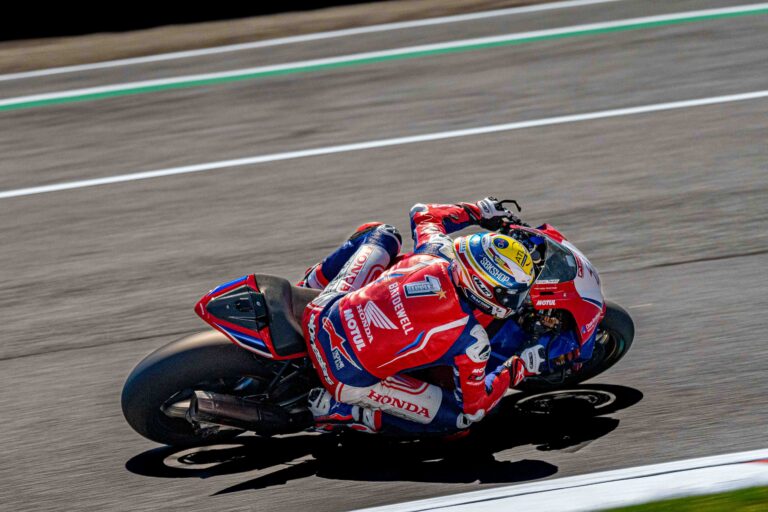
(381, 314)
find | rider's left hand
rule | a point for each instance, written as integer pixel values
(534, 359)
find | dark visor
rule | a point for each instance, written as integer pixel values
(510, 298)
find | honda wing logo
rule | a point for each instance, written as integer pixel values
(375, 316)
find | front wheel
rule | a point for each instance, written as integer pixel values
(614, 339)
(157, 392)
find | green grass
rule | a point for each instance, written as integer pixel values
(745, 500)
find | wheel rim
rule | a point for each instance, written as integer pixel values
(566, 400)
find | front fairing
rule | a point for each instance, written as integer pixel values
(567, 281)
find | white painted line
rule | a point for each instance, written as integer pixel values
(607, 489)
(303, 38)
(382, 143)
(145, 84)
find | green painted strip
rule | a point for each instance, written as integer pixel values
(129, 91)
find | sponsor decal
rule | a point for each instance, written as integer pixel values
(486, 307)
(357, 266)
(337, 342)
(493, 270)
(473, 298)
(546, 302)
(398, 403)
(481, 287)
(316, 351)
(371, 314)
(500, 243)
(397, 303)
(430, 286)
(579, 266)
(366, 323)
(337, 362)
(522, 258)
(547, 281)
(374, 315)
(354, 330)
(592, 324)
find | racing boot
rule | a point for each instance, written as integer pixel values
(333, 416)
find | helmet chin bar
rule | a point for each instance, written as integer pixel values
(486, 306)
(510, 298)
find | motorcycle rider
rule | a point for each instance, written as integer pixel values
(381, 314)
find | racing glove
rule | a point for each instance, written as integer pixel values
(531, 361)
(516, 370)
(534, 359)
(492, 214)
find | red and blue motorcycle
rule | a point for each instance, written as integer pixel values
(252, 372)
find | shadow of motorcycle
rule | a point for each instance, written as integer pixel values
(561, 420)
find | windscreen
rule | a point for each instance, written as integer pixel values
(559, 264)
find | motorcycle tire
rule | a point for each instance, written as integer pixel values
(621, 333)
(203, 361)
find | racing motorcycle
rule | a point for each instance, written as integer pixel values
(252, 372)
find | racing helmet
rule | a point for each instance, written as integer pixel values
(494, 271)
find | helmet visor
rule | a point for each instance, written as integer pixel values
(509, 297)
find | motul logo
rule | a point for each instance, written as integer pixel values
(399, 404)
(354, 330)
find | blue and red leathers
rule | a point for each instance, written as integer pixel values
(381, 315)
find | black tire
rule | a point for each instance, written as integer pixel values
(621, 333)
(205, 357)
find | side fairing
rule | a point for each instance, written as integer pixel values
(589, 287)
(238, 310)
(582, 296)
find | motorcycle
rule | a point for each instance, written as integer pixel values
(252, 371)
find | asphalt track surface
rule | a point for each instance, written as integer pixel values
(670, 206)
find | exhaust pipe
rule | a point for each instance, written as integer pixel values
(242, 413)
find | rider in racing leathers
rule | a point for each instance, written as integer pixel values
(375, 320)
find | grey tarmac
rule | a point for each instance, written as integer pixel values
(670, 207)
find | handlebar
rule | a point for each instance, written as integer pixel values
(511, 219)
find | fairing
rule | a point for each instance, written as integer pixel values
(237, 309)
(568, 282)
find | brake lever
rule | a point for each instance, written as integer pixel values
(512, 201)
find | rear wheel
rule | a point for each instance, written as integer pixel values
(614, 339)
(157, 392)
